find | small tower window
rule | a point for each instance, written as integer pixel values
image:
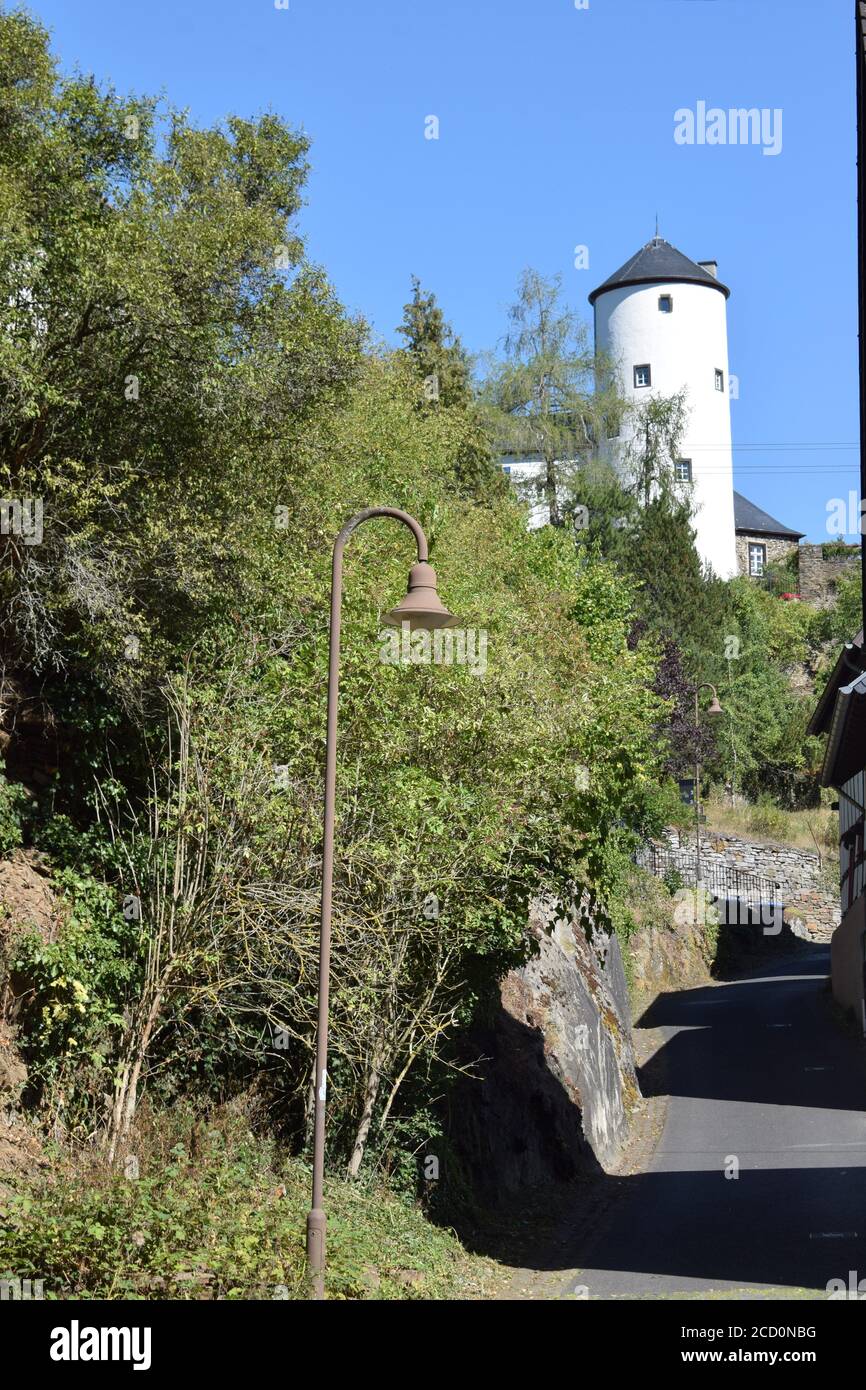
(683, 470)
(666, 303)
(720, 379)
(642, 375)
(757, 560)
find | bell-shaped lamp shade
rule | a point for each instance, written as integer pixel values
(422, 607)
(714, 707)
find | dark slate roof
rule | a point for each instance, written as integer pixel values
(849, 663)
(845, 755)
(658, 261)
(748, 517)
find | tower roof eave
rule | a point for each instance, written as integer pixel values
(659, 263)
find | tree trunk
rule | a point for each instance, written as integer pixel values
(126, 1099)
(371, 1091)
(550, 493)
(310, 1105)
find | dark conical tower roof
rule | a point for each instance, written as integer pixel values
(659, 262)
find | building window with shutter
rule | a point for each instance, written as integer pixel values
(757, 560)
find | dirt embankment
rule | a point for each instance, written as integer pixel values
(26, 902)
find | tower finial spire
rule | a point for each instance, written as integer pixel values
(657, 226)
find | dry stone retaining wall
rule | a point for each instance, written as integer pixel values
(806, 887)
(819, 575)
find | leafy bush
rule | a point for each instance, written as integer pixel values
(216, 1213)
(837, 550)
(783, 577)
(767, 819)
(672, 880)
(14, 807)
(77, 988)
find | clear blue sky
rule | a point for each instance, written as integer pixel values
(556, 128)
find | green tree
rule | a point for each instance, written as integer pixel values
(437, 355)
(655, 432)
(676, 597)
(760, 674)
(199, 417)
(444, 371)
(161, 340)
(549, 397)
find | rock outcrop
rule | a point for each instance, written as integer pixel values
(556, 1075)
(669, 957)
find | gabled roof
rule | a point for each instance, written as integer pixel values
(849, 665)
(659, 262)
(748, 517)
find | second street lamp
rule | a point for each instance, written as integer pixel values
(421, 608)
(713, 709)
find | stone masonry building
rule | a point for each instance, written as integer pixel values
(761, 540)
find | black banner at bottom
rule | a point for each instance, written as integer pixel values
(66, 1339)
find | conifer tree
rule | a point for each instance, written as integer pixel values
(437, 354)
(678, 598)
(444, 369)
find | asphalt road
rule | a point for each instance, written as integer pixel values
(758, 1072)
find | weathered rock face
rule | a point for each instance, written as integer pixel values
(557, 1070)
(26, 901)
(26, 897)
(668, 958)
(13, 1072)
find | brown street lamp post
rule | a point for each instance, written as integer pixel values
(421, 608)
(713, 708)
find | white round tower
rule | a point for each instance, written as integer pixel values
(662, 321)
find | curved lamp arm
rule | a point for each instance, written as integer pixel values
(354, 522)
(715, 707)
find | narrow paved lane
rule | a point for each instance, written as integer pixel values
(759, 1076)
